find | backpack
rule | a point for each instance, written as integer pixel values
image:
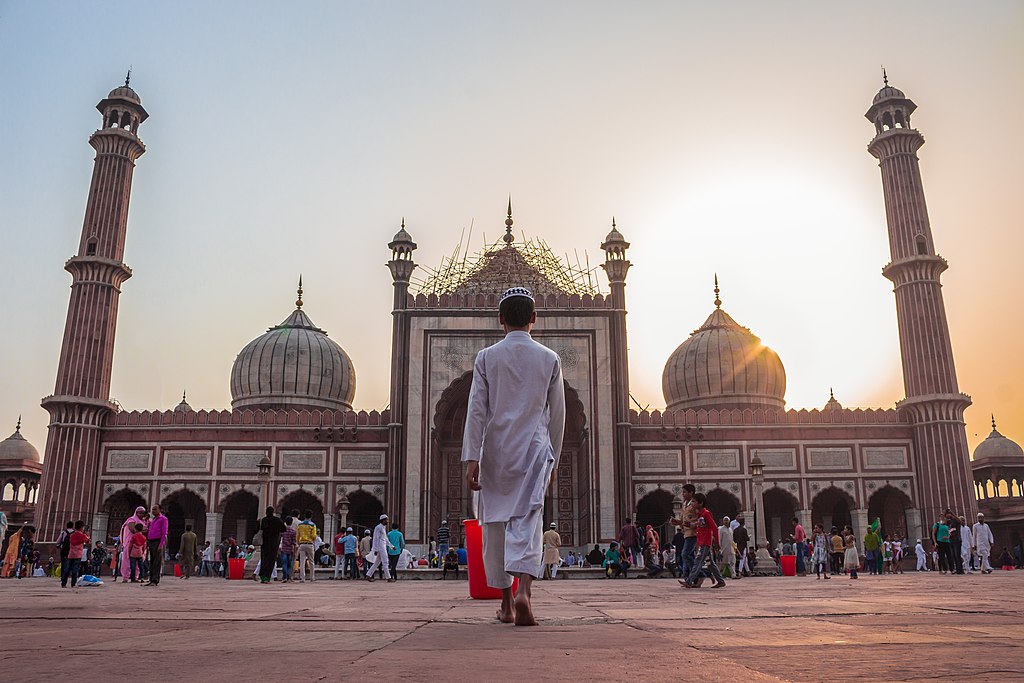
(64, 542)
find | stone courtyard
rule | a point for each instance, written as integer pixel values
(906, 627)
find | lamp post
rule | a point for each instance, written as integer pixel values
(264, 479)
(765, 562)
(343, 512)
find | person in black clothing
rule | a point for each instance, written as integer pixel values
(64, 543)
(595, 558)
(272, 527)
(741, 537)
(954, 540)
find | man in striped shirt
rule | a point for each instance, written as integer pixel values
(444, 539)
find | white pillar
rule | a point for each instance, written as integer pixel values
(913, 516)
(328, 530)
(860, 523)
(805, 520)
(213, 523)
(100, 520)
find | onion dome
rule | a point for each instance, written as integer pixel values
(723, 365)
(888, 93)
(123, 92)
(997, 449)
(183, 407)
(16, 447)
(832, 404)
(293, 365)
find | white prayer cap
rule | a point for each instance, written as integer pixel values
(383, 517)
(516, 291)
(348, 529)
(981, 514)
(726, 520)
(367, 532)
(444, 522)
(552, 525)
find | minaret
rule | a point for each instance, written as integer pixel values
(81, 399)
(401, 266)
(933, 401)
(616, 265)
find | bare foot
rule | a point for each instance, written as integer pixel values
(506, 616)
(524, 611)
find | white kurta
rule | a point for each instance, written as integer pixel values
(380, 541)
(966, 541)
(983, 538)
(514, 425)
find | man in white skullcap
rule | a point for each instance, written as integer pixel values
(513, 437)
(552, 558)
(983, 540)
(380, 547)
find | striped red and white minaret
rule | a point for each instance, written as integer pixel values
(81, 399)
(933, 401)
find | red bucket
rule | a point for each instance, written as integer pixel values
(236, 568)
(478, 588)
(788, 563)
(177, 570)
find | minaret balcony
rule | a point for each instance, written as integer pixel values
(924, 268)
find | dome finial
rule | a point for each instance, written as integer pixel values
(403, 222)
(18, 427)
(298, 302)
(613, 222)
(128, 76)
(718, 301)
(885, 77)
(182, 395)
(509, 238)
(831, 395)
(993, 421)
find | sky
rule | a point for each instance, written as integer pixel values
(727, 138)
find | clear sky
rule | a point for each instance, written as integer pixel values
(724, 137)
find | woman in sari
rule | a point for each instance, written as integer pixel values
(127, 529)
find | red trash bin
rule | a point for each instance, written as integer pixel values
(788, 563)
(236, 568)
(478, 588)
(177, 570)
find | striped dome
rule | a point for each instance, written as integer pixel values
(723, 365)
(293, 365)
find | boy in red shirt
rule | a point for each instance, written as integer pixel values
(136, 553)
(79, 539)
(707, 539)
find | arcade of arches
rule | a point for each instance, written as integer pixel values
(301, 500)
(569, 502)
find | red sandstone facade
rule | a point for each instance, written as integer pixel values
(726, 390)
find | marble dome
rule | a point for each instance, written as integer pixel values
(888, 92)
(293, 365)
(123, 92)
(16, 447)
(723, 365)
(997, 447)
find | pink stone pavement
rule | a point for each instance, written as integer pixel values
(757, 629)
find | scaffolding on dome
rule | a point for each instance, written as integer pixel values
(506, 263)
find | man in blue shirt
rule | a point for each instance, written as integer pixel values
(347, 547)
(463, 557)
(397, 541)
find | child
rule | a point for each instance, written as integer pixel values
(136, 553)
(887, 564)
(821, 544)
(1006, 561)
(851, 560)
(99, 555)
(922, 556)
(78, 543)
(897, 556)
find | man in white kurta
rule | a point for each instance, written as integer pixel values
(380, 545)
(966, 545)
(551, 556)
(514, 427)
(983, 540)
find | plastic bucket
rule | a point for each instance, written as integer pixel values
(478, 588)
(788, 563)
(177, 570)
(236, 568)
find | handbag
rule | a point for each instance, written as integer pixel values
(371, 557)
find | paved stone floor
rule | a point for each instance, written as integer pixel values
(909, 627)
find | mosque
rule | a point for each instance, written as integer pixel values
(293, 438)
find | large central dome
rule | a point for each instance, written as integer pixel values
(723, 365)
(293, 365)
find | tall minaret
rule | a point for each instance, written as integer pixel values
(401, 266)
(616, 265)
(81, 399)
(933, 401)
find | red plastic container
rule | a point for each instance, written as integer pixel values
(788, 563)
(236, 568)
(177, 570)
(478, 588)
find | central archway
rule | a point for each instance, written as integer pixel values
(303, 500)
(183, 507)
(890, 505)
(832, 507)
(568, 503)
(241, 510)
(780, 508)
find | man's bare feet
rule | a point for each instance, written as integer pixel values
(523, 604)
(506, 614)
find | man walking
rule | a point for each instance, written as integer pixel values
(983, 540)
(64, 545)
(271, 526)
(741, 537)
(379, 548)
(513, 437)
(800, 539)
(305, 535)
(551, 557)
(688, 523)
(629, 539)
(444, 538)
(156, 541)
(188, 552)
(707, 539)
(396, 544)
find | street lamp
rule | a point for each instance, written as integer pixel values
(343, 505)
(764, 558)
(264, 467)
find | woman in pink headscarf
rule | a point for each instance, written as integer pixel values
(127, 529)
